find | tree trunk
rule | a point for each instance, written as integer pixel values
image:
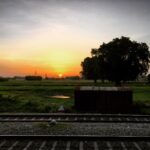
(103, 81)
(95, 81)
(117, 83)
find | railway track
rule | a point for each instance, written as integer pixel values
(113, 118)
(46, 142)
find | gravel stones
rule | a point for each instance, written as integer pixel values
(102, 129)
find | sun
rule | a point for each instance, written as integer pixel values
(60, 75)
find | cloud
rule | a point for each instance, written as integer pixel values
(23, 17)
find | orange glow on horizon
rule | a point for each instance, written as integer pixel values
(46, 53)
(23, 68)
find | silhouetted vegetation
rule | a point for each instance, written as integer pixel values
(2, 79)
(118, 60)
(73, 77)
(90, 68)
(148, 78)
(32, 78)
(7, 104)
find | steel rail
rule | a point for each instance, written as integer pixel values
(76, 137)
(71, 121)
(95, 118)
(71, 114)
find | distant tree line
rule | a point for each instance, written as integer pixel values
(118, 60)
(72, 77)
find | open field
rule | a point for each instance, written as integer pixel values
(35, 96)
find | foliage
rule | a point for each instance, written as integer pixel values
(73, 78)
(7, 104)
(119, 60)
(31, 78)
(2, 79)
(90, 68)
(148, 78)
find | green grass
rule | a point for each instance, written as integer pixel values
(32, 101)
(141, 97)
(26, 96)
(35, 96)
(141, 94)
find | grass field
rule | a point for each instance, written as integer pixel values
(35, 96)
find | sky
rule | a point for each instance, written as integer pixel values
(51, 37)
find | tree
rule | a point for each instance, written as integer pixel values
(100, 64)
(148, 78)
(121, 60)
(90, 68)
(33, 78)
(124, 59)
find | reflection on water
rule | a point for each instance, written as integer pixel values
(60, 96)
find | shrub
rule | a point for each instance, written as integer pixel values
(33, 78)
(148, 78)
(2, 79)
(7, 104)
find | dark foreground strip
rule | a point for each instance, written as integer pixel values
(63, 142)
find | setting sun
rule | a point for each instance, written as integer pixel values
(60, 75)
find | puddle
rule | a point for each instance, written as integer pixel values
(60, 96)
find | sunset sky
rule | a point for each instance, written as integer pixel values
(53, 36)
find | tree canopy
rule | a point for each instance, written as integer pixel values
(90, 68)
(148, 78)
(118, 60)
(33, 78)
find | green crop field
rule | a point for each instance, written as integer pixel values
(36, 96)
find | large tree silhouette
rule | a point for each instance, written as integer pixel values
(120, 60)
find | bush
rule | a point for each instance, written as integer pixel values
(148, 78)
(8, 104)
(33, 78)
(35, 107)
(2, 79)
(31, 107)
